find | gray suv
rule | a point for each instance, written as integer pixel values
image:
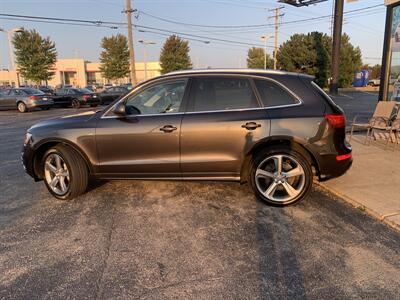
(272, 129)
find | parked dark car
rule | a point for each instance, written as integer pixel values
(24, 99)
(47, 90)
(75, 97)
(271, 129)
(111, 94)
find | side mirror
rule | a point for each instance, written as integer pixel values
(119, 109)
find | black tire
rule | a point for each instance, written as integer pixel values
(93, 105)
(75, 103)
(78, 172)
(298, 157)
(22, 107)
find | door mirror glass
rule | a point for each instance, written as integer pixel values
(119, 109)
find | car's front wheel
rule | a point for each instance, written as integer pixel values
(281, 176)
(65, 172)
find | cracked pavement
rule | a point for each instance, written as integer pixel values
(181, 240)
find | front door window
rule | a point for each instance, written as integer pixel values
(157, 99)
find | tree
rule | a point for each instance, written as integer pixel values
(35, 56)
(350, 61)
(375, 71)
(308, 53)
(114, 59)
(311, 53)
(175, 55)
(255, 59)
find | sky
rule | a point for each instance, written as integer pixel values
(365, 27)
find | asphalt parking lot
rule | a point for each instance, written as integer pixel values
(181, 240)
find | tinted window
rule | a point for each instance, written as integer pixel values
(272, 94)
(86, 91)
(160, 98)
(32, 91)
(16, 93)
(223, 93)
(73, 91)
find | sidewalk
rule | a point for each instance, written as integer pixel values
(373, 181)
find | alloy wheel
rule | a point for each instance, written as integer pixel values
(280, 178)
(21, 107)
(57, 174)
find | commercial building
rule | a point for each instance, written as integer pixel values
(78, 72)
(390, 74)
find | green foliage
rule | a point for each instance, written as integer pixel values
(350, 61)
(375, 71)
(35, 56)
(255, 59)
(114, 59)
(175, 55)
(311, 53)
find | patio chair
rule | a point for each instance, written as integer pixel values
(394, 130)
(380, 119)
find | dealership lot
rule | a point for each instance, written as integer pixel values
(159, 239)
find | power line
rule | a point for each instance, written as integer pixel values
(254, 25)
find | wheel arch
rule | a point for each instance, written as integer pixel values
(269, 142)
(41, 149)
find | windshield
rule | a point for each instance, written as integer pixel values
(33, 92)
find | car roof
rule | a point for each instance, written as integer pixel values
(237, 71)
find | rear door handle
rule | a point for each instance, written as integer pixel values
(168, 128)
(251, 125)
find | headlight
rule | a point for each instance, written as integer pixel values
(28, 137)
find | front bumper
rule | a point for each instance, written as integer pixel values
(27, 156)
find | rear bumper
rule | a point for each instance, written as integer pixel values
(40, 103)
(91, 101)
(330, 167)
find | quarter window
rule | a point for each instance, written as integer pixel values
(161, 98)
(223, 93)
(272, 94)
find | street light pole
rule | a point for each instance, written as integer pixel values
(10, 49)
(265, 38)
(145, 43)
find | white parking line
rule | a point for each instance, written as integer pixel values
(347, 96)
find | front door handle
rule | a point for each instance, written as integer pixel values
(251, 125)
(168, 128)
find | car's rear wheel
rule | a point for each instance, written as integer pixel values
(76, 103)
(65, 172)
(281, 176)
(22, 107)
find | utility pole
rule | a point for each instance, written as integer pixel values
(128, 10)
(337, 37)
(276, 17)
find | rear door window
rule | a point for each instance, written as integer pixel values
(272, 94)
(222, 93)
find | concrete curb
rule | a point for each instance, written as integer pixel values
(356, 204)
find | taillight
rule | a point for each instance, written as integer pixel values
(343, 157)
(86, 97)
(336, 120)
(34, 98)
